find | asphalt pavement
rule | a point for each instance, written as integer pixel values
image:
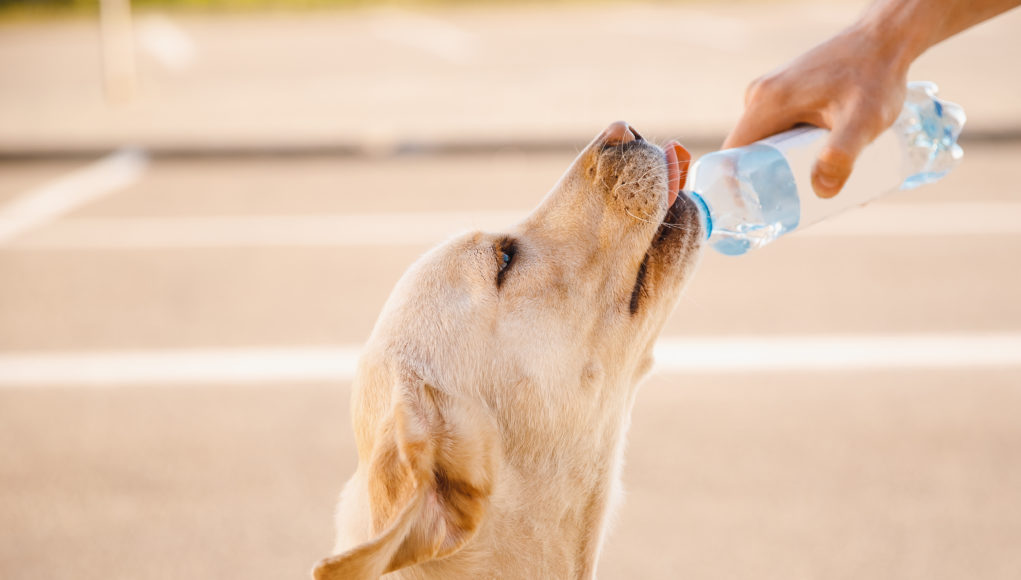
(141, 289)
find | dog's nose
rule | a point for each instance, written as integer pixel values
(619, 133)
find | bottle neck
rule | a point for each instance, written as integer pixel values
(703, 208)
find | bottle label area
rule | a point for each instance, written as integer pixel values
(878, 170)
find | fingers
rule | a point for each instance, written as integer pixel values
(754, 126)
(821, 89)
(836, 160)
(766, 113)
(833, 166)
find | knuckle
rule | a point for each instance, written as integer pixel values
(888, 114)
(762, 88)
(873, 117)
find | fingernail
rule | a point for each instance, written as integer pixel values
(828, 181)
(826, 184)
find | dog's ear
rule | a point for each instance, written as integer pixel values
(430, 479)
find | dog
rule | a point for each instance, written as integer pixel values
(492, 400)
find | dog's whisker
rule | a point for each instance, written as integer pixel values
(662, 224)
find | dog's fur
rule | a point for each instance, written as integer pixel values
(490, 409)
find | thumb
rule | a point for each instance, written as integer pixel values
(836, 160)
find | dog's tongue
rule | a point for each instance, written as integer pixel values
(677, 159)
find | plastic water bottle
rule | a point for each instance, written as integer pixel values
(752, 195)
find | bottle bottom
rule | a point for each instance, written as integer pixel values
(750, 237)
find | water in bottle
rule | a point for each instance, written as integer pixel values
(752, 195)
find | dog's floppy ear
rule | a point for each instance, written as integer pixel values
(430, 479)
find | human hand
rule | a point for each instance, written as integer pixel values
(853, 84)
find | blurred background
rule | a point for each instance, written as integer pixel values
(204, 204)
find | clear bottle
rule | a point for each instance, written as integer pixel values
(752, 195)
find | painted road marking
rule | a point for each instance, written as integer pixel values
(178, 367)
(382, 229)
(830, 352)
(715, 355)
(49, 201)
(923, 219)
(428, 228)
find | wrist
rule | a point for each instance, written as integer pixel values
(897, 31)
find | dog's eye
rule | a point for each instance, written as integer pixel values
(505, 254)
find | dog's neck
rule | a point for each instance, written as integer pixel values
(568, 474)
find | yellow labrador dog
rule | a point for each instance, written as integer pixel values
(491, 404)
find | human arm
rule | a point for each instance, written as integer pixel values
(854, 83)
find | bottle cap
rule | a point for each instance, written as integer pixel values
(703, 209)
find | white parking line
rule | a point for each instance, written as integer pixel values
(830, 352)
(924, 219)
(427, 228)
(382, 229)
(178, 367)
(714, 355)
(37, 206)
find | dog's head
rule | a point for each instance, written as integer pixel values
(494, 344)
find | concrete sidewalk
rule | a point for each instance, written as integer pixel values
(377, 80)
